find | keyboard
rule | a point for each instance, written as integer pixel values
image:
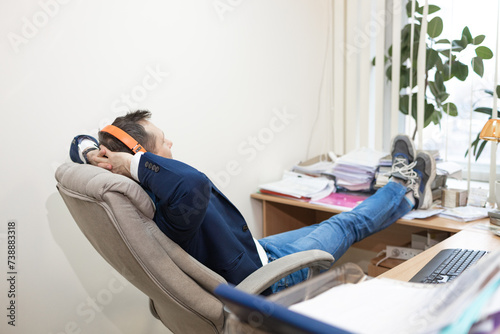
(447, 265)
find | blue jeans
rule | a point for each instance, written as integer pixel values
(339, 232)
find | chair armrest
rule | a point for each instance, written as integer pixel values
(272, 272)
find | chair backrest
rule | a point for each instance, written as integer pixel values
(115, 214)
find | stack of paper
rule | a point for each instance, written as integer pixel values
(321, 165)
(382, 176)
(450, 169)
(465, 213)
(299, 186)
(355, 170)
(388, 306)
(383, 171)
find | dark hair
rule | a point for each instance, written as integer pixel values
(130, 124)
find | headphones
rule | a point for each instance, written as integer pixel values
(124, 137)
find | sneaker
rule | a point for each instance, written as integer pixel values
(421, 179)
(403, 157)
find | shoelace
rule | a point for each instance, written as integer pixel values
(400, 164)
(412, 182)
(406, 170)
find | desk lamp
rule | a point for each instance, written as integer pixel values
(491, 132)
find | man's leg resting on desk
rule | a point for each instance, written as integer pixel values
(407, 188)
(336, 234)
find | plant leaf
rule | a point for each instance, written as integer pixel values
(474, 145)
(434, 118)
(443, 96)
(438, 79)
(483, 144)
(404, 80)
(467, 35)
(439, 92)
(443, 41)
(403, 104)
(439, 63)
(458, 45)
(478, 39)
(477, 65)
(484, 52)
(431, 115)
(433, 9)
(453, 111)
(464, 41)
(435, 27)
(459, 70)
(498, 91)
(432, 57)
(408, 8)
(433, 88)
(446, 53)
(420, 10)
(484, 110)
(446, 72)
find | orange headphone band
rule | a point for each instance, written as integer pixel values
(124, 137)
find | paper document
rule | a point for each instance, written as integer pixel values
(355, 171)
(341, 200)
(422, 214)
(451, 169)
(465, 213)
(299, 186)
(390, 306)
(362, 156)
(317, 166)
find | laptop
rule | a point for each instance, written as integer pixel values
(265, 315)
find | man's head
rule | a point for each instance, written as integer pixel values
(137, 125)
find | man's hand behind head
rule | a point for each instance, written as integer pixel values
(116, 162)
(95, 157)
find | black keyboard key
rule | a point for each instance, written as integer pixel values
(447, 265)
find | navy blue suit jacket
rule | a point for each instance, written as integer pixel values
(191, 211)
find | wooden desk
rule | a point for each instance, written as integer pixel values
(470, 238)
(282, 214)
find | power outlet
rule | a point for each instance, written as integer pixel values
(401, 253)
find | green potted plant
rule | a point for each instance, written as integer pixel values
(445, 60)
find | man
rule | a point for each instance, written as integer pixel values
(191, 211)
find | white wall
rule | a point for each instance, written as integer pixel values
(224, 71)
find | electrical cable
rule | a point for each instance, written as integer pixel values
(322, 82)
(385, 258)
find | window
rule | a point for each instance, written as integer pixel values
(452, 137)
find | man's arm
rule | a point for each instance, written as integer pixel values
(80, 146)
(85, 150)
(182, 192)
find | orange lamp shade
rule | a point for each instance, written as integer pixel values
(491, 130)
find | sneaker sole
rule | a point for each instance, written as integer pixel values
(409, 144)
(430, 169)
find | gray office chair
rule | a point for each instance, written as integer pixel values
(115, 214)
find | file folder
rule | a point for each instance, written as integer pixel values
(269, 316)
